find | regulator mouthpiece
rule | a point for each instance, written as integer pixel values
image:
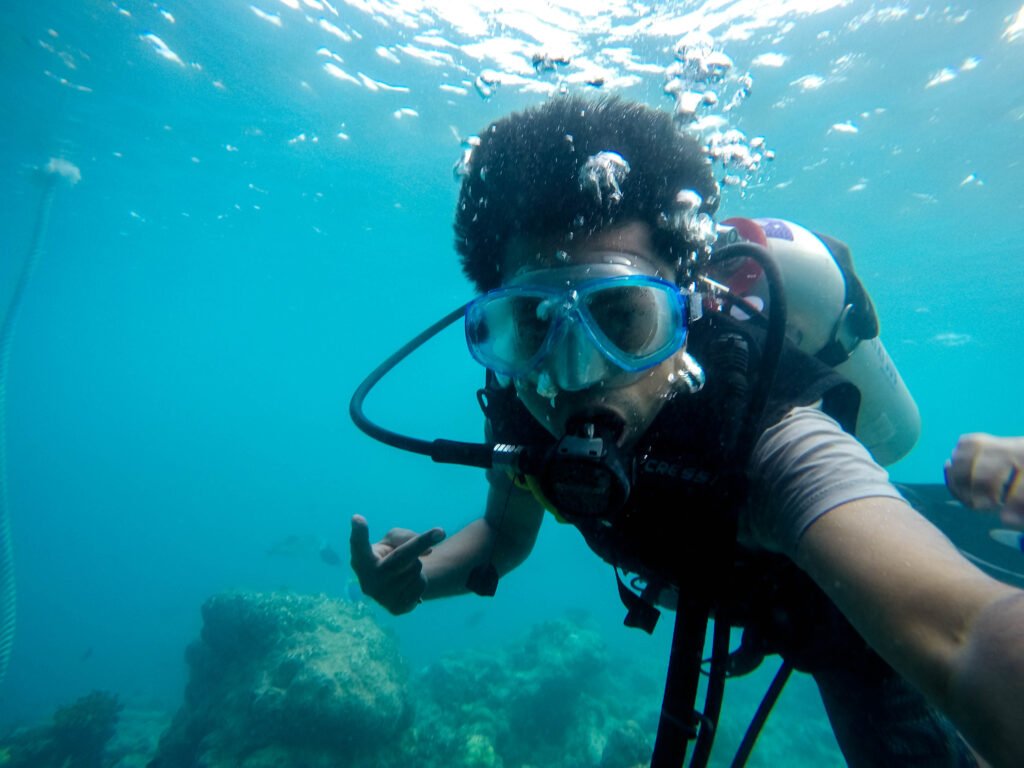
(586, 474)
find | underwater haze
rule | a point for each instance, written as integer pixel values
(235, 211)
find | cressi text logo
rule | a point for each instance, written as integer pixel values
(682, 472)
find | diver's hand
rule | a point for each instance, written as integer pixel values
(391, 571)
(985, 471)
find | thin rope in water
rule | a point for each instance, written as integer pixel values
(8, 592)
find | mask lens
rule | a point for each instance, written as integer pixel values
(627, 316)
(506, 331)
(640, 321)
(531, 323)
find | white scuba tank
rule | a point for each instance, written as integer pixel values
(825, 318)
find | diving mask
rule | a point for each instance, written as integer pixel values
(569, 328)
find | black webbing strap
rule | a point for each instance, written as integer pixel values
(641, 613)
(716, 691)
(679, 721)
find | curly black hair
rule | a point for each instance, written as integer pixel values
(523, 179)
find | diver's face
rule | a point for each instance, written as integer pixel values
(563, 394)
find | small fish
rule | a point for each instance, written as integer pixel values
(305, 547)
(329, 554)
(1011, 539)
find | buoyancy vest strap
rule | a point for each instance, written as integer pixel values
(723, 573)
(716, 691)
(678, 722)
(641, 613)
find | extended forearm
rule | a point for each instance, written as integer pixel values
(987, 686)
(449, 564)
(949, 629)
(502, 538)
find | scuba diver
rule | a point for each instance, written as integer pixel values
(648, 384)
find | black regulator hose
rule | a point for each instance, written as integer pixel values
(761, 716)
(442, 451)
(774, 339)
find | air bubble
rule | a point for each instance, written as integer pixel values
(717, 65)
(602, 176)
(687, 201)
(696, 227)
(486, 83)
(462, 167)
(705, 87)
(687, 104)
(546, 62)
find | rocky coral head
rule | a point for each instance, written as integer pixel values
(286, 674)
(76, 738)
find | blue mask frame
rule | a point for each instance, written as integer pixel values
(490, 323)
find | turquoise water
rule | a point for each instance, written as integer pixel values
(229, 267)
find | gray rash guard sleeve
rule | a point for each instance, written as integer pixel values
(800, 469)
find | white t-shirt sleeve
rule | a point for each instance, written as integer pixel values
(801, 468)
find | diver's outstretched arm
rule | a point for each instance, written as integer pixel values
(405, 568)
(947, 627)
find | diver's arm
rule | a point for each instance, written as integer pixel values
(948, 628)
(958, 635)
(504, 536)
(405, 568)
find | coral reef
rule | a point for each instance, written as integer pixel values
(77, 737)
(138, 735)
(291, 681)
(284, 680)
(287, 680)
(550, 700)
